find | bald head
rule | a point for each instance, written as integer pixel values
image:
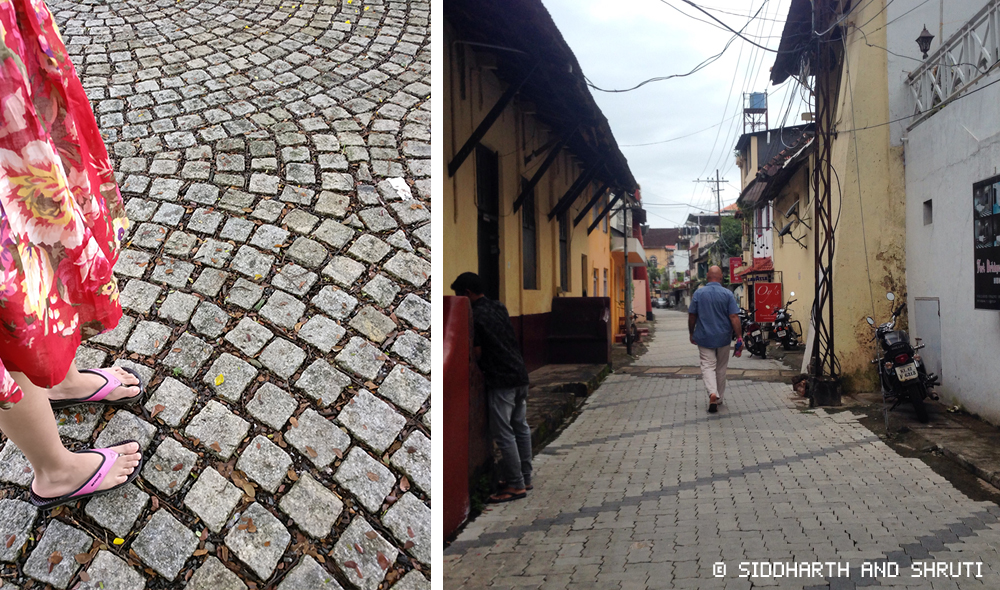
(714, 274)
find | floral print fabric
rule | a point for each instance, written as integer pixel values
(61, 215)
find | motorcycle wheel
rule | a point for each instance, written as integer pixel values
(916, 395)
(787, 344)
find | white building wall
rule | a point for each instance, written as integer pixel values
(908, 18)
(945, 155)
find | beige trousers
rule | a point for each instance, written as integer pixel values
(714, 362)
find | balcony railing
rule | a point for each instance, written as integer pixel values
(961, 61)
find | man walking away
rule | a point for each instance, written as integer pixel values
(506, 386)
(712, 319)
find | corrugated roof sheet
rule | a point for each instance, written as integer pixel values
(557, 87)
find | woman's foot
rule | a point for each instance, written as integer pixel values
(83, 467)
(80, 385)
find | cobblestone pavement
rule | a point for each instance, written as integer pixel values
(274, 159)
(671, 347)
(647, 490)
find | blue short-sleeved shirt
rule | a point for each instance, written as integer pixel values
(714, 304)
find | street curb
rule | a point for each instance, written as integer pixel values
(573, 393)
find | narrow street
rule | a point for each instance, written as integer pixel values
(645, 489)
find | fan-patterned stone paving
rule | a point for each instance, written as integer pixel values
(274, 161)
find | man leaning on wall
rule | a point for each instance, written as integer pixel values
(506, 375)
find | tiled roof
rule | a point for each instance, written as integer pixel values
(661, 237)
(759, 265)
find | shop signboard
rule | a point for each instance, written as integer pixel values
(767, 300)
(986, 242)
(735, 262)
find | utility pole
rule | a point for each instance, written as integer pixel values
(718, 199)
(824, 383)
(627, 279)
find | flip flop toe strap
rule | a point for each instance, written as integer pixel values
(95, 480)
(112, 384)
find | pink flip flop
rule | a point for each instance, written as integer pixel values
(89, 489)
(111, 383)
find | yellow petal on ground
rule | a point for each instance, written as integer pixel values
(219, 380)
(118, 541)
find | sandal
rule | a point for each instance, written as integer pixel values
(111, 383)
(505, 496)
(89, 489)
(503, 485)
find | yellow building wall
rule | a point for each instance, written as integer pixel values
(796, 263)
(513, 136)
(869, 258)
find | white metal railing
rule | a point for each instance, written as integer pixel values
(961, 61)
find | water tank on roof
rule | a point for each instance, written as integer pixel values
(758, 100)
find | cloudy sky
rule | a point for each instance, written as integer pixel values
(620, 44)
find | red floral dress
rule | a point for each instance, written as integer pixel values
(61, 215)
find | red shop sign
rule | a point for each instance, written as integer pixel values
(734, 263)
(766, 300)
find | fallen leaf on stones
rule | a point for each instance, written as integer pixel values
(407, 544)
(411, 450)
(267, 543)
(338, 453)
(404, 484)
(78, 418)
(157, 409)
(219, 380)
(312, 452)
(249, 490)
(359, 549)
(204, 534)
(172, 484)
(118, 541)
(54, 559)
(175, 350)
(223, 553)
(158, 467)
(383, 561)
(156, 343)
(409, 531)
(294, 422)
(292, 475)
(371, 535)
(84, 576)
(320, 558)
(373, 476)
(177, 467)
(215, 447)
(199, 552)
(156, 503)
(169, 271)
(10, 541)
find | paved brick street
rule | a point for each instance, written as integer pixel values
(647, 490)
(274, 160)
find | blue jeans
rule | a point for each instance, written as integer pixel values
(509, 427)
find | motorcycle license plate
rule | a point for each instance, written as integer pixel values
(906, 372)
(755, 333)
(780, 333)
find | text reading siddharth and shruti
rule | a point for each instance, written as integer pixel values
(843, 569)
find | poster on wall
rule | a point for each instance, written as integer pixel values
(767, 300)
(986, 242)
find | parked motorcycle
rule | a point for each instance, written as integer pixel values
(784, 327)
(753, 336)
(902, 374)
